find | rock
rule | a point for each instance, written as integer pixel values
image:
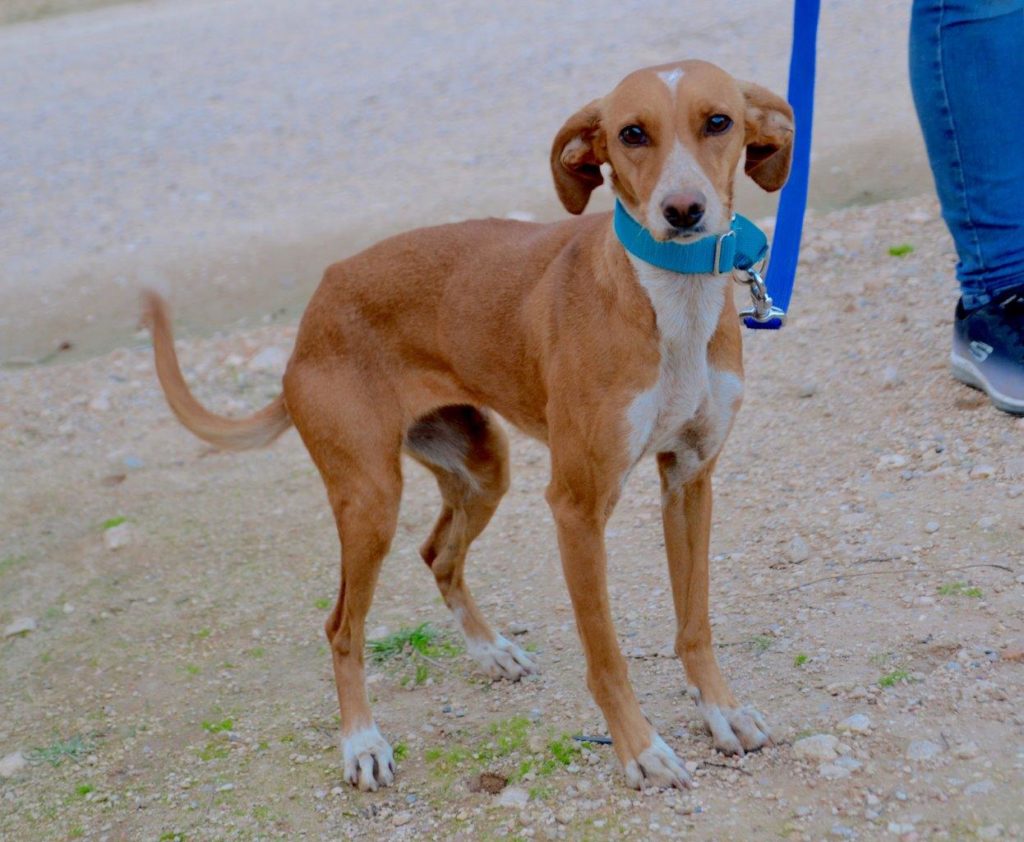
(118, 536)
(518, 628)
(983, 787)
(891, 377)
(1014, 468)
(400, 819)
(982, 472)
(798, 551)
(923, 750)
(807, 390)
(988, 521)
(833, 771)
(819, 747)
(841, 831)
(100, 403)
(892, 460)
(850, 763)
(513, 796)
(991, 831)
(521, 216)
(932, 527)
(858, 723)
(271, 360)
(12, 764)
(1014, 653)
(967, 751)
(1014, 491)
(22, 625)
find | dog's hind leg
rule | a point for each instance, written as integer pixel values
(467, 452)
(361, 467)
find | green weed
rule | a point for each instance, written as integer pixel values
(422, 640)
(891, 679)
(110, 523)
(800, 660)
(761, 643)
(401, 751)
(213, 751)
(959, 589)
(56, 752)
(323, 603)
(83, 790)
(902, 250)
(218, 727)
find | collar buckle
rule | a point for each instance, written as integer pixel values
(716, 266)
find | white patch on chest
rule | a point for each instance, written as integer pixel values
(687, 310)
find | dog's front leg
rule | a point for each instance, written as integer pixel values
(582, 494)
(686, 517)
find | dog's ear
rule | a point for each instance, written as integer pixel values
(769, 126)
(576, 157)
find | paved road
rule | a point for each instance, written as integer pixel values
(228, 150)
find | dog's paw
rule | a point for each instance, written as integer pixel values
(735, 730)
(369, 761)
(501, 658)
(657, 766)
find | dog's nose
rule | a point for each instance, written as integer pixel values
(685, 209)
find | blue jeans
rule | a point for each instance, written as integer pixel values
(967, 76)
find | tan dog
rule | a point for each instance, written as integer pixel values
(414, 344)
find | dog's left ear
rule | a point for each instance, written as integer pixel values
(769, 125)
(576, 157)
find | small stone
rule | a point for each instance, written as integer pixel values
(991, 831)
(798, 551)
(858, 723)
(983, 787)
(518, 628)
(966, 751)
(932, 527)
(12, 764)
(807, 390)
(271, 360)
(892, 460)
(400, 819)
(923, 750)
(100, 403)
(841, 831)
(565, 815)
(850, 763)
(891, 377)
(1014, 491)
(1014, 468)
(23, 625)
(988, 521)
(513, 796)
(833, 771)
(118, 536)
(982, 472)
(521, 216)
(1014, 653)
(819, 747)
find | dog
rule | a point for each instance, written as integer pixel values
(417, 344)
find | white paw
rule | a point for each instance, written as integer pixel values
(657, 766)
(735, 730)
(500, 658)
(369, 763)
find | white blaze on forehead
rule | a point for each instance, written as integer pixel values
(671, 77)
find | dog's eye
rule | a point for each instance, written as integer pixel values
(717, 124)
(634, 136)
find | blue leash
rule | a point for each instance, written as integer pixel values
(793, 203)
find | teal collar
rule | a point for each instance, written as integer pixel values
(745, 245)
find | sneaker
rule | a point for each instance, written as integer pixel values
(988, 349)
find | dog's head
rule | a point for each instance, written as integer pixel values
(673, 136)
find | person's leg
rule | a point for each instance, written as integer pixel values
(967, 77)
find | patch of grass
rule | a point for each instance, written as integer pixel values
(111, 522)
(83, 790)
(509, 734)
(193, 669)
(801, 659)
(530, 647)
(256, 652)
(760, 643)
(218, 727)
(323, 603)
(959, 589)
(8, 563)
(901, 250)
(202, 634)
(76, 832)
(400, 750)
(564, 749)
(173, 836)
(59, 750)
(261, 812)
(214, 751)
(891, 679)
(447, 760)
(422, 640)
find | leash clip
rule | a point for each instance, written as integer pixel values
(717, 268)
(763, 309)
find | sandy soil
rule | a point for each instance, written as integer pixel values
(229, 150)
(867, 560)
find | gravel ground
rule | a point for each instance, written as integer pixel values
(229, 150)
(166, 677)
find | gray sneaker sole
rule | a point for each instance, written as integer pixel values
(967, 372)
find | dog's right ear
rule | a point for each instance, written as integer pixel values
(576, 157)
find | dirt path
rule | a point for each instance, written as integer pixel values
(229, 150)
(179, 686)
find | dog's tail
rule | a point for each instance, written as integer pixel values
(258, 430)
